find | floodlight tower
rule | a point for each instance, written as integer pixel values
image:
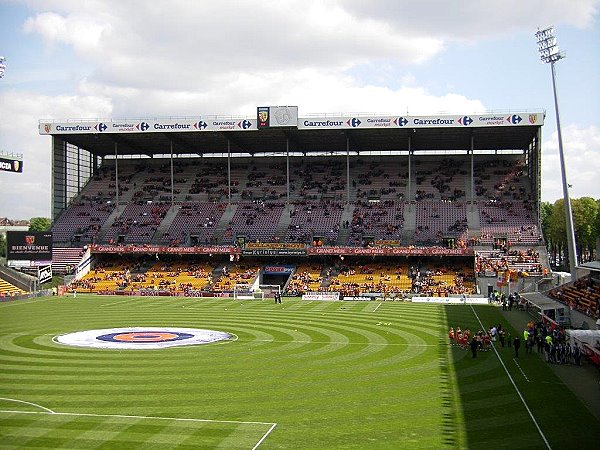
(2, 66)
(549, 53)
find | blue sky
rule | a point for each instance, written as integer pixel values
(87, 59)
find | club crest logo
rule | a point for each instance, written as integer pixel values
(30, 240)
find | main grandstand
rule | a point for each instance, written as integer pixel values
(360, 205)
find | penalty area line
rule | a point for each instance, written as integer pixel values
(377, 307)
(515, 386)
(131, 416)
(264, 436)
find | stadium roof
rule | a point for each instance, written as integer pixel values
(507, 131)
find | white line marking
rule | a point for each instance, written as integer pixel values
(48, 410)
(376, 308)
(515, 386)
(264, 436)
(517, 363)
(124, 416)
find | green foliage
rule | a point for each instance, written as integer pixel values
(39, 224)
(586, 220)
(2, 246)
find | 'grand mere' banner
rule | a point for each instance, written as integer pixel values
(396, 251)
(162, 249)
(230, 250)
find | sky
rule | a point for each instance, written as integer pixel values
(76, 59)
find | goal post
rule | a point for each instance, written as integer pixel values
(269, 290)
(243, 292)
(248, 292)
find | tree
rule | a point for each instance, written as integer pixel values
(586, 220)
(2, 246)
(39, 224)
(585, 212)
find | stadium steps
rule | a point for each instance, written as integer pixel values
(335, 271)
(166, 223)
(473, 220)
(111, 219)
(410, 223)
(284, 223)
(65, 256)
(345, 232)
(224, 223)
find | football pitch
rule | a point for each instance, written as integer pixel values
(298, 375)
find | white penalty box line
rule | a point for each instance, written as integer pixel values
(49, 412)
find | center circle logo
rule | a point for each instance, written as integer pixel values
(142, 338)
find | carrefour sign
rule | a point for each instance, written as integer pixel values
(442, 121)
(312, 123)
(148, 126)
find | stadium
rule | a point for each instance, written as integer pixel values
(323, 260)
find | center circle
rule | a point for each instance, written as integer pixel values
(142, 338)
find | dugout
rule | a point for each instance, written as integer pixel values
(551, 309)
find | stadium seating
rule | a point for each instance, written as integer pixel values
(582, 295)
(194, 219)
(381, 220)
(138, 222)
(311, 218)
(64, 259)
(306, 278)
(241, 273)
(9, 290)
(257, 221)
(81, 222)
(438, 219)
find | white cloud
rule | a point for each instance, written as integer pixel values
(581, 147)
(81, 32)
(185, 57)
(191, 45)
(468, 19)
(28, 194)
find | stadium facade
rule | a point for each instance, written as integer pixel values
(282, 186)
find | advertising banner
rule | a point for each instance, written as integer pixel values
(149, 126)
(440, 121)
(163, 249)
(29, 245)
(395, 251)
(328, 296)
(277, 270)
(287, 116)
(11, 165)
(44, 274)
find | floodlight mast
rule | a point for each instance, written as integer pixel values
(2, 66)
(549, 53)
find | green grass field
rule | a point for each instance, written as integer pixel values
(323, 375)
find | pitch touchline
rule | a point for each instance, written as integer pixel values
(517, 363)
(515, 386)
